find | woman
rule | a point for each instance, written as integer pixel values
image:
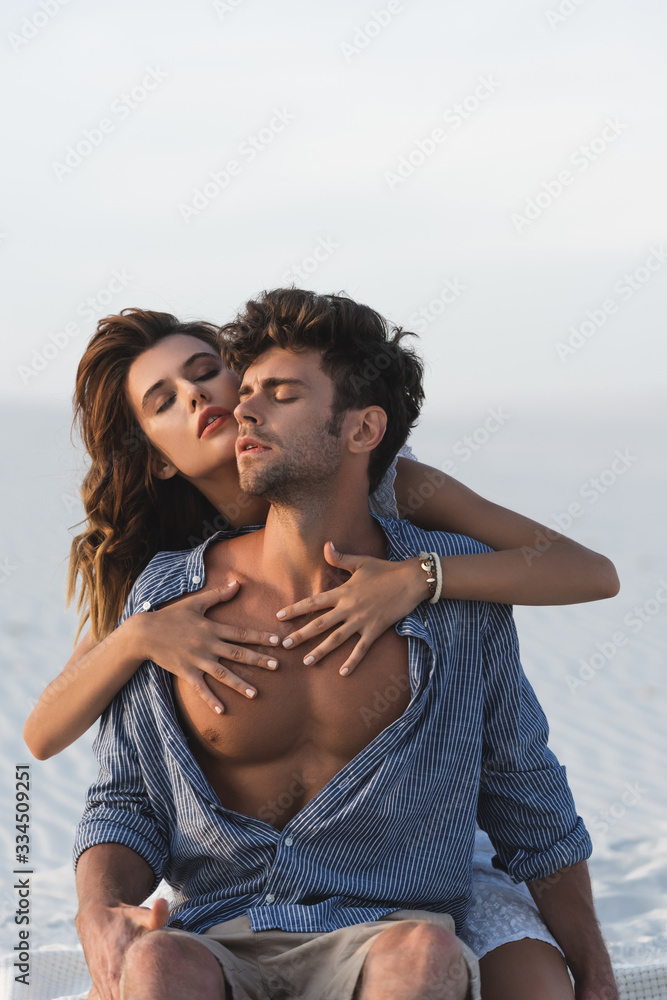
(139, 503)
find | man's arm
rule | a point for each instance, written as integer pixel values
(111, 881)
(120, 850)
(526, 806)
(565, 901)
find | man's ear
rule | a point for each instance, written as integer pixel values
(367, 430)
(162, 468)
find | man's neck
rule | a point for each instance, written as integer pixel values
(292, 544)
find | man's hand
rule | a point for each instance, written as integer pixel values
(106, 932)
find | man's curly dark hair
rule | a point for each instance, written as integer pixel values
(361, 353)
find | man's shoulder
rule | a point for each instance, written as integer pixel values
(164, 569)
(170, 573)
(444, 543)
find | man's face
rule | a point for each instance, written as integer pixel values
(289, 445)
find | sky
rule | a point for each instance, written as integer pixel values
(488, 176)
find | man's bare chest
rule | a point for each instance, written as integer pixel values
(298, 705)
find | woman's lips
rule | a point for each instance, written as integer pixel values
(215, 424)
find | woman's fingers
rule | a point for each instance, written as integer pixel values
(236, 633)
(202, 600)
(341, 559)
(243, 654)
(333, 641)
(336, 639)
(356, 656)
(229, 679)
(313, 629)
(315, 603)
(197, 681)
(327, 598)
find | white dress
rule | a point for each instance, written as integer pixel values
(500, 911)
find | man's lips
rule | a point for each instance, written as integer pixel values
(204, 428)
(250, 446)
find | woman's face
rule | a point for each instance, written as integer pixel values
(175, 388)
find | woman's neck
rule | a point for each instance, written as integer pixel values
(225, 493)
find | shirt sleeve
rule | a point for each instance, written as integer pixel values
(525, 803)
(117, 807)
(382, 502)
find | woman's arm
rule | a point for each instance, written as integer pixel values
(531, 564)
(178, 637)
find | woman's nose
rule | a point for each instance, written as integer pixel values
(197, 393)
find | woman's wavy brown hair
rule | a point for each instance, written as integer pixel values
(131, 514)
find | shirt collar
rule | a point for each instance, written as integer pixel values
(397, 550)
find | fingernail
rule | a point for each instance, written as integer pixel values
(288, 642)
(233, 583)
(250, 692)
(343, 671)
(218, 709)
(272, 663)
(309, 659)
(280, 614)
(274, 638)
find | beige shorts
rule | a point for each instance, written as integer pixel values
(286, 965)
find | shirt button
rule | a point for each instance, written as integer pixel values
(288, 841)
(196, 579)
(270, 897)
(146, 605)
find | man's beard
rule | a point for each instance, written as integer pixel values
(308, 469)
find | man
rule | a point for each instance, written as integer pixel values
(320, 839)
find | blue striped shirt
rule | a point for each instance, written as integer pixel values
(392, 829)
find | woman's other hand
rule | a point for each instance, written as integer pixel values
(378, 594)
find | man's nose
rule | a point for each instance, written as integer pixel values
(246, 412)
